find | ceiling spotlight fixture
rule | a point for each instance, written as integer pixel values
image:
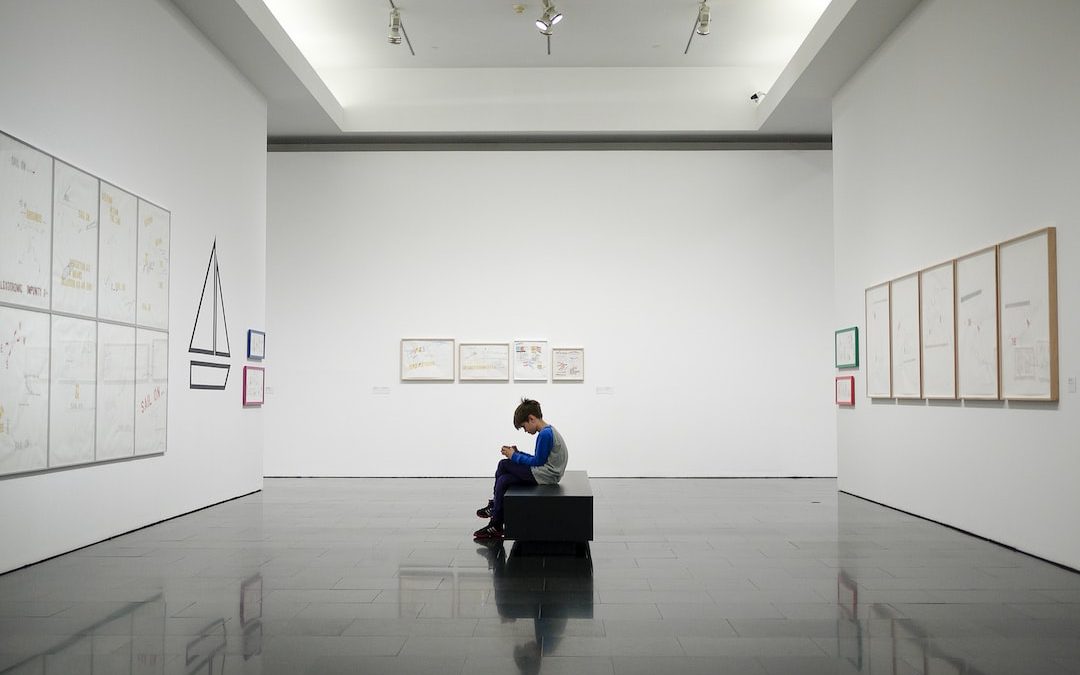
(394, 37)
(397, 29)
(703, 19)
(548, 19)
(757, 96)
(701, 24)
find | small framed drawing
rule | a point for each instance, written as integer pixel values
(427, 359)
(254, 385)
(256, 345)
(845, 390)
(846, 347)
(568, 364)
(531, 360)
(484, 361)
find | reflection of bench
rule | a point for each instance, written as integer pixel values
(562, 512)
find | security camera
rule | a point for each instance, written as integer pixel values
(757, 96)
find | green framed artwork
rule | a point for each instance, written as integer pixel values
(846, 347)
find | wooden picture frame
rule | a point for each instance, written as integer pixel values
(254, 386)
(845, 390)
(904, 337)
(878, 349)
(937, 321)
(484, 362)
(256, 345)
(568, 364)
(531, 361)
(427, 360)
(977, 353)
(846, 348)
(1027, 311)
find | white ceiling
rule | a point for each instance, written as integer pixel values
(481, 68)
(351, 34)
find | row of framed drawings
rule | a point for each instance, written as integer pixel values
(982, 326)
(432, 360)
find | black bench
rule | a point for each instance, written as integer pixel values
(562, 512)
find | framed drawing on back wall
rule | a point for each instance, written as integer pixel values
(484, 362)
(530, 361)
(846, 347)
(1027, 273)
(568, 364)
(427, 359)
(878, 365)
(977, 325)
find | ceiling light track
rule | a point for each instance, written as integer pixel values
(397, 29)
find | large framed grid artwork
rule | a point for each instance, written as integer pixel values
(84, 316)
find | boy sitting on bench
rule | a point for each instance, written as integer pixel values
(545, 467)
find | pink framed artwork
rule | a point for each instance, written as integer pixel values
(845, 390)
(254, 385)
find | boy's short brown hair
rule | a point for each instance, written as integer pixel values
(525, 408)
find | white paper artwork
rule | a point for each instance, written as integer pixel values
(1026, 318)
(531, 360)
(484, 362)
(116, 391)
(568, 364)
(878, 370)
(73, 391)
(904, 310)
(152, 282)
(424, 359)
(24, 390)
(938, 293)
(118, 255)
(151, 390)
(25, 224)
(75, 241)
(976, 325)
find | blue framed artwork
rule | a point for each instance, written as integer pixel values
(256, 345)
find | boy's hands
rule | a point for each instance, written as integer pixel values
(508, 450)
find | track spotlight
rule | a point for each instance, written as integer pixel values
(703, 19)
(394, 37)
(549, 18)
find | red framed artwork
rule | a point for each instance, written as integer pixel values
(845, 390)
(254, 385)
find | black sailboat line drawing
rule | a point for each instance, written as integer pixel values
(213, 338)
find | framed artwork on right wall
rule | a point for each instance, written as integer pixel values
(568, 364)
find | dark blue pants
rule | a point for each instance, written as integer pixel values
(508, 473)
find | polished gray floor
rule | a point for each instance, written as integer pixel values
(685, 576)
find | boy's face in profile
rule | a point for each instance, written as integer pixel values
(531, 425)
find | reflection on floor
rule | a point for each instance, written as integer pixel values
(685, 576)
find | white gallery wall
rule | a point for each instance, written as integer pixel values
(129, 91)
(699, 284)
(959, 133)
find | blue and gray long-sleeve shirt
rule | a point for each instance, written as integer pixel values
(549, 459)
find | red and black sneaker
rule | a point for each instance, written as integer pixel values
(486, 511)
(491, 531)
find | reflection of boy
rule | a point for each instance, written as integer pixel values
(544, 467)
